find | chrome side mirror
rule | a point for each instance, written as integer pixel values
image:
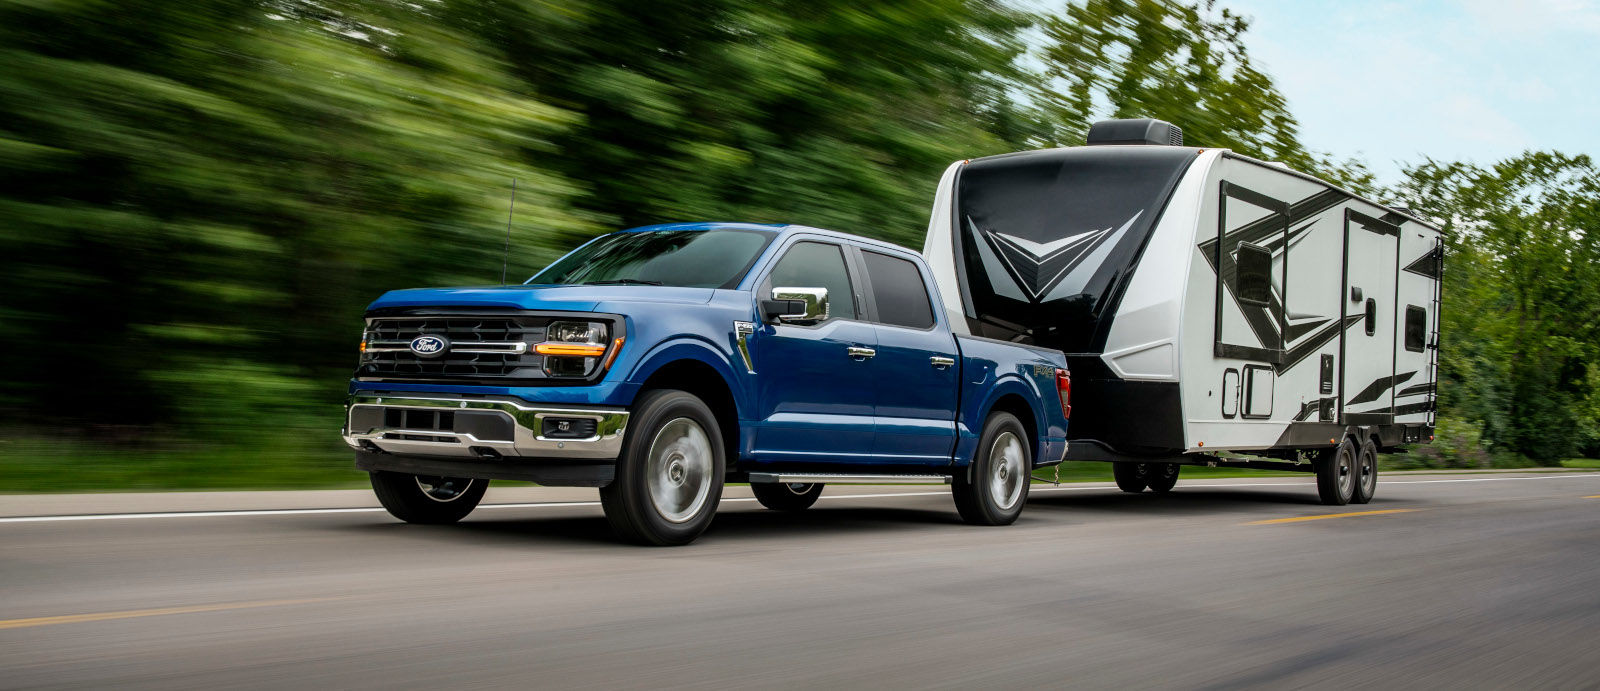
(796, 305)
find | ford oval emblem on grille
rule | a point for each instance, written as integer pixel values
(428, 345)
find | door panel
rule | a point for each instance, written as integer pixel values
(916, 397)
(1367, 362)
(916, 366)
(814, 399)
(816, 402)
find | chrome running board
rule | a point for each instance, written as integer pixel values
(845, 479)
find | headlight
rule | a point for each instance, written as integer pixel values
(593, 333)
(572, 349)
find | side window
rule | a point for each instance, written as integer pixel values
(817, 265)
(1255, 274)
(898, 290)
(1416, 328)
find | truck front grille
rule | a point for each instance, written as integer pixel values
(480, 348)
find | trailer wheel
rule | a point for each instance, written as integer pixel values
(995, 489)
(1336, 473)
(1131, 477)
(427, 499)
(669, 475)
(1162, 477)
(787, 496)
(1366, 483)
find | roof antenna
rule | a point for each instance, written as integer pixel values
(505, 257)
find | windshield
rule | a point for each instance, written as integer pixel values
(683, 258)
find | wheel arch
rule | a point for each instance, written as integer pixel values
(706, 381)
(1011, 395)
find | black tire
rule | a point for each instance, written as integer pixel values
(427, 499)
(787, 496)
(1366, 481)
(1131, 477)
(1336, 473)
(995, 487)
(673, 444)
(1162, 477)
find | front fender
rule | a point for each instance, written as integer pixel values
(695, 349)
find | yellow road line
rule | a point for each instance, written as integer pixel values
(1297, 519)
(1593, 496)
(133, 613)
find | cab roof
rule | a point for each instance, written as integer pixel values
(782, 230)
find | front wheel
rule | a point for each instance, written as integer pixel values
(995, 487)
(669, 475)
(787, 496)
(427, 499)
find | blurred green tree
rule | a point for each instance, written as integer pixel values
(199, 197)
(1181, 62)
(1521, 311)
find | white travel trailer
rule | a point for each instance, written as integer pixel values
(1211, 305)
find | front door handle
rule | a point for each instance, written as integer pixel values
(860, 353)
(940, 362)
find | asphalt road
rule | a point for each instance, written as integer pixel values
(1464, 582)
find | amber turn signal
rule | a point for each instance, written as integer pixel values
(616, 347)
(578, 349)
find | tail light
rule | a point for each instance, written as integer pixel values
(1064, 390)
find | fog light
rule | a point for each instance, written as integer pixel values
(568, 428)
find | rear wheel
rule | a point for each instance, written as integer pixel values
(994, 490)
(669, 475)
(787, 496)
(1131, 477)
(1366, 483)
(427, 499)
(1162, 477)
(1336, 473)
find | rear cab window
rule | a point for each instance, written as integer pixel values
(898, 291)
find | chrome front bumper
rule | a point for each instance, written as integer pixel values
(522, 435)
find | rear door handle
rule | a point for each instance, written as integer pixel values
(860, 353)
(940, 362)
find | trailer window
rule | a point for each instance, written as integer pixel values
(898, 291)
(1416, 328)
(1255, 274)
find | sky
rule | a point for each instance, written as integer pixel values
(1393, 83)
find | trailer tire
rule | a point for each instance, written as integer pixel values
(670, 472)
(995, 488)
(427, 499)
(787, 496)
(1366, 480)
(1131, 477)
(1162, 477)
(1336, 473)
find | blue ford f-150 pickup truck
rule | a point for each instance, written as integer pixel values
(660, 362)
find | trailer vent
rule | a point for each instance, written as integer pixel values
(1141, 131)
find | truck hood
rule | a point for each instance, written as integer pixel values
(561, 298)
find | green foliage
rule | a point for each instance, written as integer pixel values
(1184, 63)
(1521, 298)
(1456, 444)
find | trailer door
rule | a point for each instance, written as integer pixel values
(1367, 345)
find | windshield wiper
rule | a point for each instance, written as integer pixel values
(623, 282)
